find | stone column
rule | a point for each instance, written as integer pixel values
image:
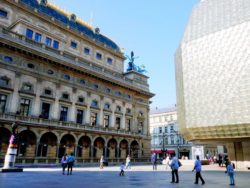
(13, 103)
(100, 119)
(36, 102)
(72, 109)
(55, 107)
(105, 151)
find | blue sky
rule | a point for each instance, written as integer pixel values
(152, 29)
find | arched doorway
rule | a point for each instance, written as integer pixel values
(27, 144)
(4, 140)
(112, 149)
(134, 148)
(83, 149)
(47, 145)
(99, 147)
(123, 149)
(67, 145)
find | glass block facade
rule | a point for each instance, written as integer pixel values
(212, 73)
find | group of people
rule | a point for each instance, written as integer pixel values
(68, 161)
(175, 164)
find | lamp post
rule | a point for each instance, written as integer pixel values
(163, 145)
(178, 143)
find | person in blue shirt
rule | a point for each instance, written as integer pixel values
(197, 168)
(154, 161)
(230, 172)
(70, 160)
(175, 166)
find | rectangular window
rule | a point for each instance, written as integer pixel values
(45, 110)
(93, 118)
(160, 129)
(106, 121)
(48, 41)
(3, 13)
(172, 140)
(24, 107)
(171, 128)
(64, 113)
(3, 101)
(166, 129)
(56, 44)
(86, 51)
(79, 116)
(29, 33)
(38, 37)
(109, 60)
(73, 44)
(128, 124)
(98, 56)
(118, 122)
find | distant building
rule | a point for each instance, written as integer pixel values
(165, 136)
(65, 83)
(213, 80)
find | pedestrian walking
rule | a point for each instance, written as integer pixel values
(64, 163)
(122, 168)
(220, 160)
(70, 160)
(128, 161)
(154, 161)
(197, 168)
(230, 172)
(167, 160)
(175, 164)
(101, 162)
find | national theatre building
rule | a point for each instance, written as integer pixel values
(64, 83)
(213, 77)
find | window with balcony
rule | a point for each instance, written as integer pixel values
(79, 116)
(55, 44)
(128, 124)
(29, 33)
(93, 118)
(86, 51)
(24, 107)
(73, 44)
(3, 101)
(106, 121)
(48, 41)
(45, 110)
(63, 113)
(118, 122)
(3, 13)
(38, 37)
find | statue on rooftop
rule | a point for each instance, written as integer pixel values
(132, 66)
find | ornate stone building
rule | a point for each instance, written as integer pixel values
(63, 81)
(212, 77)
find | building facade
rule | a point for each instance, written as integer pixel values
(165, 134)
(212, 77)
(63, 81)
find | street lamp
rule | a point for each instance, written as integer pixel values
(178, 143)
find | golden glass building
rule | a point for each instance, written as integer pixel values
(64, 82)
(212, 77)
